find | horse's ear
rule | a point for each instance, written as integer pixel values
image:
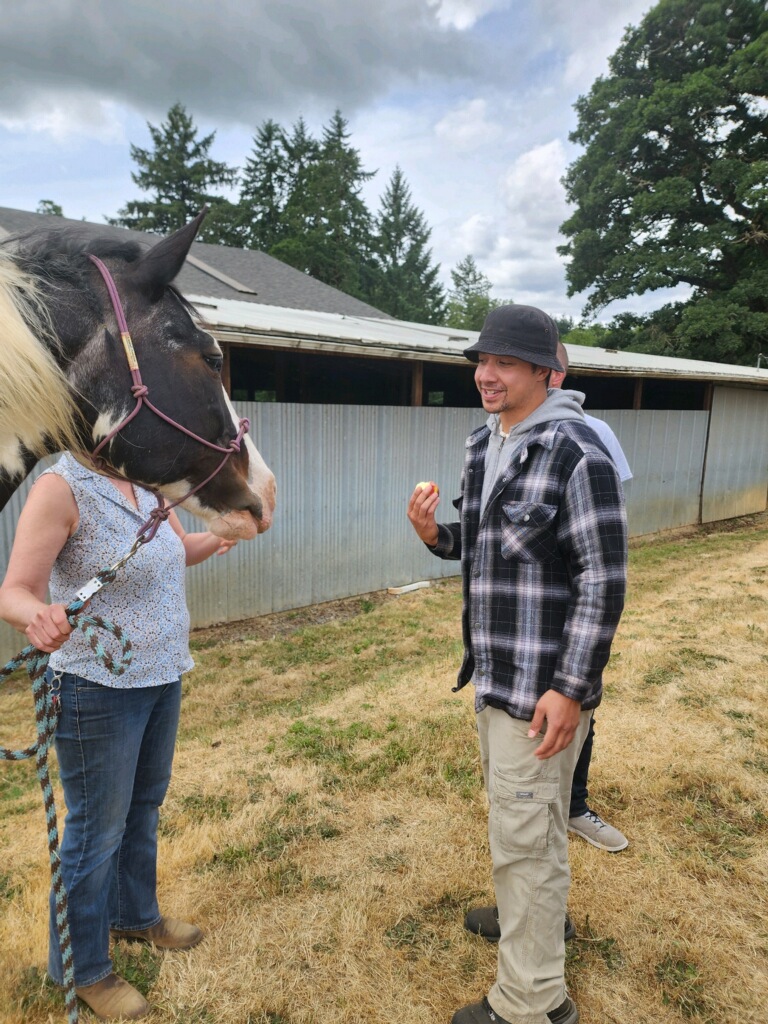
(160, 265)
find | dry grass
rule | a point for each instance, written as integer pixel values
(326, 823)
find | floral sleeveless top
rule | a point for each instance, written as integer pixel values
(147, 598)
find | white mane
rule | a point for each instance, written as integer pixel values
(36, 404)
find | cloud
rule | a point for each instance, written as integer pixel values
(464, 14)
(585, 34)
(223, 59)
(516, 248)
(467, 127)
(533, 194)
(81, 114)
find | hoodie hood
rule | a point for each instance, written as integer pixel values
(558, 405)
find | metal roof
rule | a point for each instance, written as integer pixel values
(250, 323)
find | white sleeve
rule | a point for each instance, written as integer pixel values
(611, 442)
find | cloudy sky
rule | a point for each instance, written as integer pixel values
(472, 98)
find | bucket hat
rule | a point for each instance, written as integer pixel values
(524, 332)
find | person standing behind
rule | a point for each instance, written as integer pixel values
(542, 543)
(116, 734)
(582, 820)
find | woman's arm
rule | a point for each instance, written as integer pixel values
(47, 521)
(199, 546)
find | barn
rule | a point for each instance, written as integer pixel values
(351, 407)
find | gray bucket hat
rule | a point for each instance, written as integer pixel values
(524, 332)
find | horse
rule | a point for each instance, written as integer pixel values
(71, 381)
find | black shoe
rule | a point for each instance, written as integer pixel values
(484, 921)
(478, 1013)
(483, 1013)
(565, 1013)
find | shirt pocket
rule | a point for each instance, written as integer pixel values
(528, 531)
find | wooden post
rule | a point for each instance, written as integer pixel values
(417, 383)
(226, 369)
(637, 401)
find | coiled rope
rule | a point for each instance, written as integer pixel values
(47, 709)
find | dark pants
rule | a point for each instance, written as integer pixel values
(579, 790)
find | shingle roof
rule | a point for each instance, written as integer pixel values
(217, 270)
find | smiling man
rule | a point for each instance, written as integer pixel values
(542, 542)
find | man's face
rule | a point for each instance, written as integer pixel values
(510, 387)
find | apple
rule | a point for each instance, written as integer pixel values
(427, 483)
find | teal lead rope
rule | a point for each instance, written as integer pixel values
(47, 708)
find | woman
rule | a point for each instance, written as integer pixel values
(116, 734)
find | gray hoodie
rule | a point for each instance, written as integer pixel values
(558, 405)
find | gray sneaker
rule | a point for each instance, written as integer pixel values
(590, 826)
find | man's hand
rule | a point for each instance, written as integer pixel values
(421, 512)
(562, 717)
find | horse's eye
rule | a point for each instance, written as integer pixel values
(215, 363)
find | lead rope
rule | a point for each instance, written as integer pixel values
(47, 710)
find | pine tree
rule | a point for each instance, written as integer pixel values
(179, 176)
(328, 225)
(469, 301)
(405, 284)
(264, 188)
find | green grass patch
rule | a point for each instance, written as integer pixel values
(9, 886)
(682, 987)
(138, 963)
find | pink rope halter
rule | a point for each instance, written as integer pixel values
(140, 392)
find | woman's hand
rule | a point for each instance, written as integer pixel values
(49, 628)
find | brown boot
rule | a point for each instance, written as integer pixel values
(168, 933)
(113, 998)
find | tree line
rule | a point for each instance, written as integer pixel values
(299, 199)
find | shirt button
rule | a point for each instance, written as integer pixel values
(526, 518)
(476, 574)
(475, 625)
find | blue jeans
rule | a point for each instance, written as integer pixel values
(115, 750)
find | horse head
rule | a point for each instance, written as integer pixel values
(180, 366)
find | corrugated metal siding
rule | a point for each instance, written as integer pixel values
(345, 474)
(736, 473)
(665, 451)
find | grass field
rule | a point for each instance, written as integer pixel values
(326, 823)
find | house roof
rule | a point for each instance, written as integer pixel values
(216, 271)
(249, 323)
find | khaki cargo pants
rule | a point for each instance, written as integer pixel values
(527, 828)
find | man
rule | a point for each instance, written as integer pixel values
(582, 820)
(542, 543)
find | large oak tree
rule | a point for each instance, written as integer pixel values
(671, 188)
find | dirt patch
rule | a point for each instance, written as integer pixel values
(264, 627)
(739, 523)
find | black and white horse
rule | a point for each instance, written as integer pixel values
(65, 381)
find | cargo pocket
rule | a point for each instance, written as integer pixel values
(527, 531)
(521, 814)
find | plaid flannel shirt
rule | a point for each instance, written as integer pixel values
(543, 568)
